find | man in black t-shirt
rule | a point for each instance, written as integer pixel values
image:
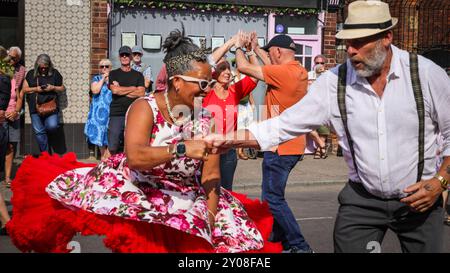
(126, 85)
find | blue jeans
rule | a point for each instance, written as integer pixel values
(276, 171)
(116, 128)
(228, 163)
(43, 126)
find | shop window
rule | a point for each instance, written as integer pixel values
(303, 54)
(296, 25)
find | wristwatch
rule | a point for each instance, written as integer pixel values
(444, 182)
(180, 149)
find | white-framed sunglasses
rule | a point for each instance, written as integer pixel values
(203, 84)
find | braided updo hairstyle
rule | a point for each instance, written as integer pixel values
(181, 52)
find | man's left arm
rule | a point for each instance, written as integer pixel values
(306, 115)
(426, 192)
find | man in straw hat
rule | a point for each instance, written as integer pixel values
(387, 113)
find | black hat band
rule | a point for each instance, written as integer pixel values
(375, 25)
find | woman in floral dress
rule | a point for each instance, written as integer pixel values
(161, 195)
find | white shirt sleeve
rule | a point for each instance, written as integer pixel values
(307, 114)
(438, 83)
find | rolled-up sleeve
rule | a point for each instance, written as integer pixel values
(301, 118)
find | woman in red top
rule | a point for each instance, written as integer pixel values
(223, 102)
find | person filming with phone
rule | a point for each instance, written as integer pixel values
(41, 87)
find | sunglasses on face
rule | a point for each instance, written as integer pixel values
(124, 55)
(203, 84)
(137, 54)
(320, 63)
(104, 66)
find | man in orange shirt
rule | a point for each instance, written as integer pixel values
(287, 83)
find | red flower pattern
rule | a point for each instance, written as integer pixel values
(168, 194)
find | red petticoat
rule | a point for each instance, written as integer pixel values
(42, 224)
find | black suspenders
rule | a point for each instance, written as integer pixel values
(418, 96)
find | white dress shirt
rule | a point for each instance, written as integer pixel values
(384, 130)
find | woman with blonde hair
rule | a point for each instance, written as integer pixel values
(96, 128)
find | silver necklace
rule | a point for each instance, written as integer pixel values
(174, 120)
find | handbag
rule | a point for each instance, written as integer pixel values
(46, 108)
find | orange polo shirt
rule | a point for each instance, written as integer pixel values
(287, 84)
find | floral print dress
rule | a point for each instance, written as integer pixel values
(170, 194)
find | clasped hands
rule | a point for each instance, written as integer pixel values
(201, 146)
(247, 40)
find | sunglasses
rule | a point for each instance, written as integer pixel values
(104, 66)
(124, 55)
(320, 63)
(203, 84)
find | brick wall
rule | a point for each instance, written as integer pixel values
(329, 48)
(422, 24)
(99, 33)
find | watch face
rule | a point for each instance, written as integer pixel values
(181, 149)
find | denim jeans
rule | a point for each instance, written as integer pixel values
(116, 128)
(276, 171)
(228, 163)
(43, 126)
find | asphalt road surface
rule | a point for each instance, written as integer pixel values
(315, 208)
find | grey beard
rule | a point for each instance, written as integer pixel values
(374, 63)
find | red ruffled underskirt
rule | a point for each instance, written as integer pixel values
(42, 224)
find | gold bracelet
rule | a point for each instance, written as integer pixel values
(444, 182)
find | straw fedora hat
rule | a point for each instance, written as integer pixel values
(366, 18)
